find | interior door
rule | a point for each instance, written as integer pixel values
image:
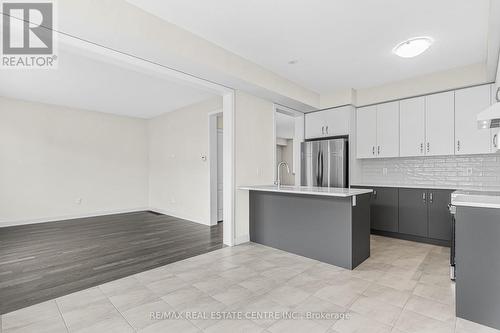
(412, 127)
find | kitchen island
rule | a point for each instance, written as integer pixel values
(331, 225)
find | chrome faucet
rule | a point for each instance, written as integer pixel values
(280, 164)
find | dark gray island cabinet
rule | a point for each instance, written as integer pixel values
(331, 225)
(477, 256)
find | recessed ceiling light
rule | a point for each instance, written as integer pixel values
(293, 62)
(413, 47)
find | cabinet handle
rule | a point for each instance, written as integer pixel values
(322, 129)
(378, 150)
(431, 197)
(375, 194)
(424, 197)
(326, 129)
(458, 145)
(373, 150)
(495, 140)
(428, 147)
(421, 148)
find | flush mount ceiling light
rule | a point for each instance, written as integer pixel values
(413, 47)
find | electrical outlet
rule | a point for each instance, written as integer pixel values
(384, 171)
(469, 171)
(78, 201)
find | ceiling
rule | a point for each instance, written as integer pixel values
(337, 44)
(89, 83)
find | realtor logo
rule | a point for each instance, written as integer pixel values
(28, 35)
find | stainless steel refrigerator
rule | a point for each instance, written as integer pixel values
(324, 163)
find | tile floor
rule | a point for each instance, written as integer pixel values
(402, 287)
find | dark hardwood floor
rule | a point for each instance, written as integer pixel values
(42, 261)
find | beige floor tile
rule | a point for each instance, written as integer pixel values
(357, 323)
(133, 297)
(79, 318)
(288, 296)
(213, 285)
(166, 286)
(440, 294)
(387, 294)
(32, 316)
(170, 326)
(236, 326)
(181, 297)
(141, 316)
(313, 307)
(430, 308)
(466, 326)
(80, 299)
(412, 322)
(377, 310)
(338, 296)
(238, 274)
(258, 306)
(233, 294)
(297, 326)
(114, 323)
(258, 284)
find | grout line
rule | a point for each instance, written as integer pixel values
(62, 317)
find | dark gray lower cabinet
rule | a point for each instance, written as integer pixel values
(439, 215)
(384, 209)
(413, 212)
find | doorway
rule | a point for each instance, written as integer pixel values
(216, 158)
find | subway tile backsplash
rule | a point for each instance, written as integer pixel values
(460, 172)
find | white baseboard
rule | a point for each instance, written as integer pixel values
(179, 216)
(242, 239)
(11, 223)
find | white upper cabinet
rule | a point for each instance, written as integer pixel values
(388, 129)
(468, 138)
(440, 124)
(366, 132)
(314, 127)
(377, 131)
(326, 123)
(412, 127)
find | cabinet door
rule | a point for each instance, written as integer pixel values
(388, 129)
(413, 212)
(412, 127)
(384, 209)
(439, 215)
(315, 125)
(366, 132)
(337, 121)
(468, 103)
(440, 124)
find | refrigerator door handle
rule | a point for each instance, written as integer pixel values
(321, 170)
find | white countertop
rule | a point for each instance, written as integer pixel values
(484, 199)
(430, 187)
(325, 191)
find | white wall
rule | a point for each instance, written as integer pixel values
(254, 153)
(51, 156)
(179, 180)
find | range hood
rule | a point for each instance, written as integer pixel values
(490, 118)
